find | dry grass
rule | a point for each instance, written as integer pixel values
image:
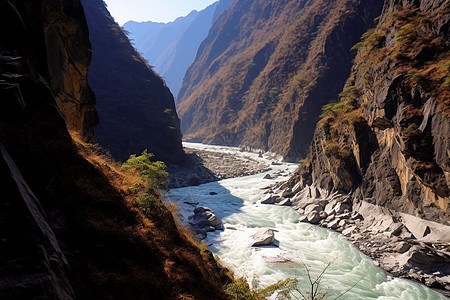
(157, 255)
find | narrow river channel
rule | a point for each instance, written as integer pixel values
(237, 204)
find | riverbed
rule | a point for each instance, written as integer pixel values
(299, 246)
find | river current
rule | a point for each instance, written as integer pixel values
(237, 204)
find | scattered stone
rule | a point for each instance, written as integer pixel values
(271, 199)
(396, 229)
(263, 237)
(333, 224)
(402, 247)
(285, 202)
(348, 230)
(267, 176)
(342, 223)
(344, 216)
(302, 219)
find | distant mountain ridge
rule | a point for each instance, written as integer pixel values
(171, 47)
(265, 70)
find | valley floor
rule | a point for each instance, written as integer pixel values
(204, 166)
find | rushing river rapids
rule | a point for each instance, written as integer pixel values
(237, 204)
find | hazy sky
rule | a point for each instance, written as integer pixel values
(153, 10)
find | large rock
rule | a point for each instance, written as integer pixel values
(263, 237)
(313, 207)
(314, 217)
(271, 199)
(205, 218)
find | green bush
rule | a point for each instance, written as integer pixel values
(239, 290)
(152, 173)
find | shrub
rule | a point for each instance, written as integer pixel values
(239, 290)
(153, 174)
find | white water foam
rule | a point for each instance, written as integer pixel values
(237, 204)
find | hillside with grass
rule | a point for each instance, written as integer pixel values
(392, 120)
(265, 70)
(135, 107)
(74, 224)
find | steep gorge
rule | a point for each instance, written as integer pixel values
(135, 106)
(265, 70)
(66, 230)
(385, 144)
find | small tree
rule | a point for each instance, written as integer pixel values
(153, 176)
(153, 173)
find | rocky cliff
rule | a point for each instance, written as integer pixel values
(265, 70)
(172, 47)
(385, 144)
(66, 231)
(135, 107)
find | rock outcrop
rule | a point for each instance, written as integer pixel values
(384, 145)
(136, 109)
(204, 220)
(266, 68)
(65, 231)
(263, 237)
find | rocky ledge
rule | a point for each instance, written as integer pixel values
(203, 166)
(401, 244)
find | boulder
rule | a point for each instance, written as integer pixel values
(263, 237)
(314, 217)
(271, 199)
(267, 176)
(285, 202)
(329, 208)
(396, 229)
(313, 207)
(402, 247)
(304, 202)
(204, 218)
(303, 218)
(333, 224)
(341, 207)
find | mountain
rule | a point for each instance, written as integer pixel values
(385, 144)
(135, 107)
(265, 70)
(172, 47)
(387, 139)
(70, 228)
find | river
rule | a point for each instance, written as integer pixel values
(237, 204)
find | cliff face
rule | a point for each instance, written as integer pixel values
(136, 108)
(387, 140)
(66, 43)
(172, 47)
(265, 70)
(65, 231)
